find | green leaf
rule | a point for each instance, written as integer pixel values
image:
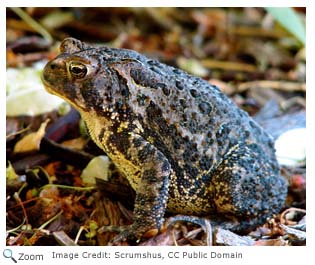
(26, 94)
(10, 173)
(290, 20)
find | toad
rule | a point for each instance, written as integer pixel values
(182, 144)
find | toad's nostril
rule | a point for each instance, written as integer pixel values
(53, 66)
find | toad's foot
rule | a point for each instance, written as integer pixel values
(203, 222)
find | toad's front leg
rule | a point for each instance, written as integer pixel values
(151, 187)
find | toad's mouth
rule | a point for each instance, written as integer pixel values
(52, 90)
(48, 87)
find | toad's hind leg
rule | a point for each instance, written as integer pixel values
(246, 188)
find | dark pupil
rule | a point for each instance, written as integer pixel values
(78, 70)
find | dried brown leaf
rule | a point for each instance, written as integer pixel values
(31, 142)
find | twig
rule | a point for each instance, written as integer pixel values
(68, 187)
(16, 228)
(282, 216)
(30, 21)
(277, 85)
(79, 234)
(257, 32)
(50, 220)
(18, 199)
(226, 65)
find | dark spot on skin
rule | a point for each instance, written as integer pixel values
(52, 66)
(92, 98)
(166, 91)
(215, 88)
(151, 175)
(190, 150)
(194, 157)
(173, 107)
(196, 82)
(142, 200)
(137, 142)
(192, 171)
(176, 71)
(186, 138)
(183, 103)
(197, 190)
(123, 87)
(247, 133)
(178, 141)
(252, 124)
(223, 131)
(125, 93)
(205, 163)
(120, 141)
(118, 105)
(144, 80)
(179, 85)
(141, 99)
(232, 142)
(205, 107)
(184, 117)
(145, 152)
(193, 93)
(165, 166)
(156, 70)
(210, 141)
(161, 85)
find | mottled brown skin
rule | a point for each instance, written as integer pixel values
(182, 144)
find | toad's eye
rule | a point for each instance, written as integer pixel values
(77, 69)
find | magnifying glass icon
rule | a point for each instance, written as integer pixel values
(7, 253)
